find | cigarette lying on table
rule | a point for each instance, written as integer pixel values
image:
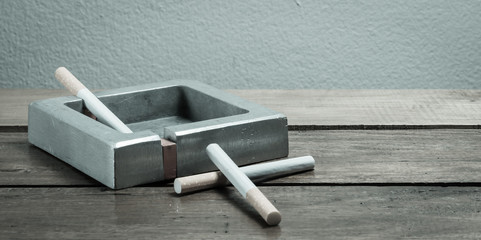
(255, 172)
(243, 184)
(92, 103)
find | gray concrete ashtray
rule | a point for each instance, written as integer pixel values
(189, 114)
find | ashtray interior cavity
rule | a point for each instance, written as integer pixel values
(156, 109)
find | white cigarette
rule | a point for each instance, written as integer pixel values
(243, 184)
(91, 101)
(255, 172)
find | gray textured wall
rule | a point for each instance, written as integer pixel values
(243, 44)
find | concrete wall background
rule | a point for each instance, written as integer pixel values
(243, 44)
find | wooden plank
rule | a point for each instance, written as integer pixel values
(21, 163)
(325, 108)
(408, 156)
(373, 108)
(309, 212)
(14, 103)
(442, 156)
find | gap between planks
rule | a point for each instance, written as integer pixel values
(323, 127)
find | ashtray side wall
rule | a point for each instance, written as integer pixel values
(91, 147)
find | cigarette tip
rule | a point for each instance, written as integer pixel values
(273, 218)
(177, 186)
(59, 70)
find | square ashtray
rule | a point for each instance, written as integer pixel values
(173, 122)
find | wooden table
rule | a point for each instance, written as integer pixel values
(389, 164)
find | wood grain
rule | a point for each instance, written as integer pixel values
(373, 108)
(399, 176)
(354, 109)
(21, 163)
(309, 212)
(14, 104)
(401, 156)
(342, 157)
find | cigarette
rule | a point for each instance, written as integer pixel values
(255, 172)
(243, 184)
(92, 103)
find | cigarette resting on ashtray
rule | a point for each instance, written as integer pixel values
(255, 172)
(92, 103)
